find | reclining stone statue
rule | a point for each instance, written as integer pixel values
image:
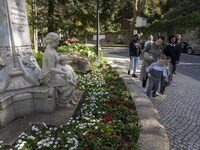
(55, 73)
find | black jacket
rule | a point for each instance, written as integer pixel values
(134, 48)
(173, 52)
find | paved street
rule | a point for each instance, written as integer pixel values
(179, 108)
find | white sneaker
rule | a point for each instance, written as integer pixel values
(157, 94)
(172, 84)
(144, 90)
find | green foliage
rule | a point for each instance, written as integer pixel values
(90, 52)
(185, 15)
(38, 56)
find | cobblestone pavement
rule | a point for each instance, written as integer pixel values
(179, 109)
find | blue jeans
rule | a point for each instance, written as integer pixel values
(134, 63)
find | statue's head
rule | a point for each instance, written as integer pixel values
(52, 38)
(63, 59)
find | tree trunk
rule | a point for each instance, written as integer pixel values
(51, 7)
(135, 12)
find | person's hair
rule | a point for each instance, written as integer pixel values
(178, 35)
(162, 56)
(51, 37)
(170, 38)
(136, 35)
(161, 37)
(150, 37)
(168, 58)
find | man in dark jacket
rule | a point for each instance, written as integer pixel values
(134, 53)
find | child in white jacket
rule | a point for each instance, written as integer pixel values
(155, 71)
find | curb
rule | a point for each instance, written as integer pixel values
(153, 135)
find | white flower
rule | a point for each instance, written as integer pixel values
(1, 142)
(52, 138)
(19, 141)
(16, 145)
(50, 129)
(48, 132)
(45, 125)
(58, 139)
(55, 129)
(66, 145)
(56, 142)
(84, 133)
(31, 137)
(54, 146)
(34, 128)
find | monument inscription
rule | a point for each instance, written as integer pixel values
(19, 23)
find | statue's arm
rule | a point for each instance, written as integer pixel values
(55, 70)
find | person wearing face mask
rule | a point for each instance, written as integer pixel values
(134, 53)
(154, 49)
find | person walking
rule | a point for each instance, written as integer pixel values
(179, 46)
(134, 53)
(172, 51)
(154, 72)
(150, 53)
(150, 40)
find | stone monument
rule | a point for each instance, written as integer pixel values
(18, 66)
(20, 93)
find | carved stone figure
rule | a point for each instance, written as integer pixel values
(53, 74)
(29, 59)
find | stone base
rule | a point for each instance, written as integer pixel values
(18, 103)
(60, 115)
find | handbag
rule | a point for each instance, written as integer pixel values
(148, 57)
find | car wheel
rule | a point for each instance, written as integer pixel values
(189, 51)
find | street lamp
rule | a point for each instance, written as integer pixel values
(97, 34)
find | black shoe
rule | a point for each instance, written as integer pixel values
(128, 72)
(134, 76)
(162, 92)
(154, 95)
(174, 73)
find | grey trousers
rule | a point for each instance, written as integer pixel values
(153, 85)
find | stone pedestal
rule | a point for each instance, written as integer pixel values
(18, 103)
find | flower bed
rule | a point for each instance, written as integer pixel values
(110, 104)
(106, 120)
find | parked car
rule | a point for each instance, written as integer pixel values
(193, 49)
(184, 46)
